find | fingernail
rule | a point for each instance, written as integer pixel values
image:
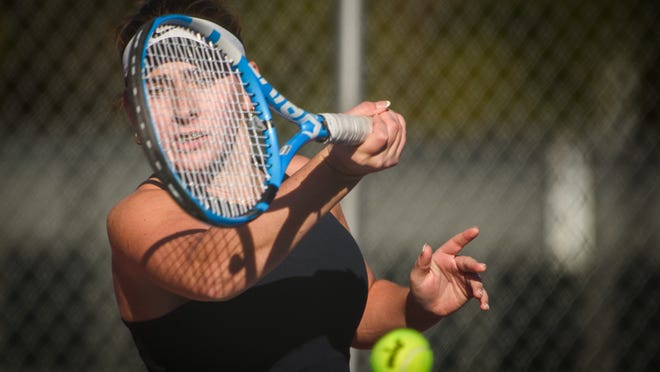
(383, 104)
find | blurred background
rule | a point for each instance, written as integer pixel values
(538, 121)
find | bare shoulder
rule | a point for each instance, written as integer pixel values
(134, 226)
(143, 218)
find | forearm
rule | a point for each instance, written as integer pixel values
(390, 306)
(304, 198)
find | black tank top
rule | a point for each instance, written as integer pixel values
(300, 317)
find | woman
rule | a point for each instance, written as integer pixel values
(288, 291)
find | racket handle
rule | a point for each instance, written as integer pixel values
(347, 129)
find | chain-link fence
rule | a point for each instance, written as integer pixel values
(537, 121)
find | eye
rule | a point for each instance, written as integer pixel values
(158, 86)
(209, 75)
(204, 79)
(160, 90)
(155, 90)
(223, 69)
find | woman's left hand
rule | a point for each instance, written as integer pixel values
(441, 282)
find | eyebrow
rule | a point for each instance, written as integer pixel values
(163, 79)
(186, 74)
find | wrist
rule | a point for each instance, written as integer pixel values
(417, 316)
(329, 160)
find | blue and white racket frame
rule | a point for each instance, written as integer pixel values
(312, 127)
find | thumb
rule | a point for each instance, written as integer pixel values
(369, 108)
(423, 264)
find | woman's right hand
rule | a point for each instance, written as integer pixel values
(381, 150)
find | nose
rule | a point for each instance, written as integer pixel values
(185, 108)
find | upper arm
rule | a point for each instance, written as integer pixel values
(152, 237)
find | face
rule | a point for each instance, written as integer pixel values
(203, 127)
(194, 113)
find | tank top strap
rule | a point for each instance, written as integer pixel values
(152, 180)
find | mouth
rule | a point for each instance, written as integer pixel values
(188, 142)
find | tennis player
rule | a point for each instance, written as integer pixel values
(289, 291)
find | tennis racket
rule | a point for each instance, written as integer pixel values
(203, 119)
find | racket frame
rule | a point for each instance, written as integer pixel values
(263, 95)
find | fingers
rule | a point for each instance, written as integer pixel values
(382, 148)
(484, 301)
(369, 108)
(459, 241)
(390, 123)
(389, 128)
(397, 133)
(469, 264)
(481, 295)
(471, 269)
(475, 285)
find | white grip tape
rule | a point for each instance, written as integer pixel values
(347, 129)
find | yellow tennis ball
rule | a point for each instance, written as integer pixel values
(402, 350)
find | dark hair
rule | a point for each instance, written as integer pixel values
(212, 10)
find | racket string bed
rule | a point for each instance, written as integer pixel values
(234, 180)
